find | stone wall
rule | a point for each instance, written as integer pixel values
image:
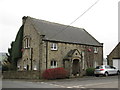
(64, 48)
(21, 75)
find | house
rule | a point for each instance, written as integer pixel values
(114, 57)
(49, 45)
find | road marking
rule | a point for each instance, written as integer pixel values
(42, 82)
(99, 83)
(77, 86)
(82, 87)
(69, 87)
(54, 84)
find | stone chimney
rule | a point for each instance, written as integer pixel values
(24, 19)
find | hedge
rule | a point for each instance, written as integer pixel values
(90, 71)
(55, 73)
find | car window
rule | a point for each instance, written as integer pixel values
(112, 67)
(107, 67)
(99, 67)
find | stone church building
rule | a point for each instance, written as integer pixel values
(49, 45)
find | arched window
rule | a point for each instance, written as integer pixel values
(53, 64)
(27, 42)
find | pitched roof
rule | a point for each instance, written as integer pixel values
(63, 33)
(116, 50)
(70, 54)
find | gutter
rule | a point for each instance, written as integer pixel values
(46, 54)
(101, 44)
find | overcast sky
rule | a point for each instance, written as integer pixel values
(101, 21)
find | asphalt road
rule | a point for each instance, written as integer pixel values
(85, 82)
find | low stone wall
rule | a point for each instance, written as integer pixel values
(21, 75)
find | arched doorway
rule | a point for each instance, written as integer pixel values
(76, 67)
(27, 67)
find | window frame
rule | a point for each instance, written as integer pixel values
(54, 46)
(95, 49)
(53, 64)
(26, 43)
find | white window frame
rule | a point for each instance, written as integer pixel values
(26, 43)
(53, 64)
(95, 49)
(54, 46)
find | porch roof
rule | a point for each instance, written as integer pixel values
(70, 54)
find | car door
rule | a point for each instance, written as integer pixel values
(109, 70)
(113, 70)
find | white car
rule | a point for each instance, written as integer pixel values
(105, 70)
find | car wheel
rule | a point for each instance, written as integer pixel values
(106, 74)
(118, 72)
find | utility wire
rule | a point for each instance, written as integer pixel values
(84, 12)
(75, 19)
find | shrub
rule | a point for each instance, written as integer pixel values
(55, 73)
(90, 71)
